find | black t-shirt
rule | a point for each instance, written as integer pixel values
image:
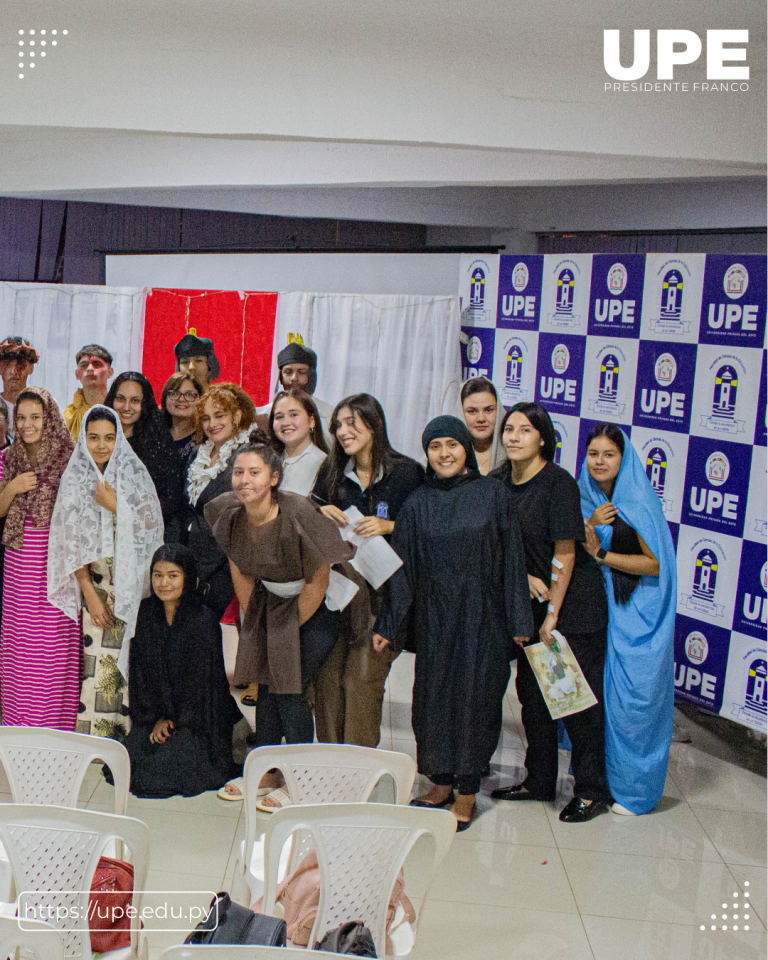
(549, 508)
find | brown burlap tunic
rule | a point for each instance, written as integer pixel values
(291, 547)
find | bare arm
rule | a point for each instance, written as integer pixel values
(99, 611)
(243, 587)
(313, 593)
(565, 553)
(642, 564)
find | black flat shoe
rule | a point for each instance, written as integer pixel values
(513, 793)
(462, 825)
(420, 802)
(578, 811)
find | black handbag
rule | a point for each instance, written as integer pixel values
(352, 939)
(229, 923)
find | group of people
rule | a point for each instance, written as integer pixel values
(131, 531)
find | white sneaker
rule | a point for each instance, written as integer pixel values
(622, 811)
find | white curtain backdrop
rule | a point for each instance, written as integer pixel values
(402, 349)
(59, 319)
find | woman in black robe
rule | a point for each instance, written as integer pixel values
(463, 583)
(182, 712)
(131, 396)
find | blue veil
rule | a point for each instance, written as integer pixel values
(639, 666)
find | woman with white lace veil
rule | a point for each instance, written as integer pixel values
(106, 526)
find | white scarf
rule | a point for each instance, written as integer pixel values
(83, 532)
(201, 472)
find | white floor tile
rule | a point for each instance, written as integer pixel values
(504, 874)
(755, 886)
(205, 803)
(739, 837)
(646, 888)
(451, 931)
(500, 821)
(176, 892)
(613, 939)
(400, 679)
(713, 782)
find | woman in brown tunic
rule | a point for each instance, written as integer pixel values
(280, 549)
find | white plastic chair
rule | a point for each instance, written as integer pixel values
(313, 773)
(54, 852)
(49, 766)
(36, 937)
(203, 951)
(361, 848)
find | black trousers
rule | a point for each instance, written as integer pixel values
(466, 785)
(586, 729)
(289, 715)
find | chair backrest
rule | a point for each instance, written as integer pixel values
(48, 766)
(323, 773)
(361, 848)
(54, 852)
(33, 936)
(201, 951)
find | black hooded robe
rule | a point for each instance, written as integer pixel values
(464, 586)
(177, 673)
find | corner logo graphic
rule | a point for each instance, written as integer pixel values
(520, 277)
(670, 307)
(561, 357)
(704, 586)
(736, 281)
(607, 402)
(725, 392)
(565, 292)
(617, 279)
(665, 370)
(717, 468)
(696, 647)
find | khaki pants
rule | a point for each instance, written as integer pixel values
(349, 692)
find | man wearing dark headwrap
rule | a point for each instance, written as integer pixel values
(17, 361)
(298, 368)
(195, 355)
(462, 594)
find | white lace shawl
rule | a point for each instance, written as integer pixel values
(201, 472)
(83, 532)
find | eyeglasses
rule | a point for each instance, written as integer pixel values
(189, 396)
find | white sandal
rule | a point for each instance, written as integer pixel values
(280, 797)
(237, 784)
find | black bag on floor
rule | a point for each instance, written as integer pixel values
(237, 925)
(353, 939)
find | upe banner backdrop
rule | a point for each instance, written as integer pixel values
(672, 348)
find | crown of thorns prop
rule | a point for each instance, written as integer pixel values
(17, 348)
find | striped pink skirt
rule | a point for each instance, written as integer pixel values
(39, 645)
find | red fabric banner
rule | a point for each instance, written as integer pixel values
(240, 323)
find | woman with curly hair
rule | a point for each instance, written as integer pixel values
(132, 398)
(225, 418)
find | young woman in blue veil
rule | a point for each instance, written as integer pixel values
(628, 534)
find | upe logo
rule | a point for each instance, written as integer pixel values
(608, 388)
(513, 390)
(617, 279)
(724, 394)
(701, 599)
(477, 289)
(667, 57)
(755, 608)
(670, 304)
(565, 296)
(717, 469)
(696, 647)
(520, 277)
(665, 369)
(756, 697)
(656, 470)
(474, 350)
(558, 446)
(735, 281)
(560, 358)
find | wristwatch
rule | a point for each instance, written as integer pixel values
(601, 554)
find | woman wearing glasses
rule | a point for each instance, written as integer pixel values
(179, 402)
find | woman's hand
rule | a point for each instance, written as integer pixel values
(161, 731)
(374, 527)
(605, 513)
(23, 483)
(521, 641)
(99, 611)
(105, 496)
(379, 642)
(333, 513)
(539, 590)
(545, 632)
(592, 543)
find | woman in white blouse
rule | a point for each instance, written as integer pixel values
(298, 437)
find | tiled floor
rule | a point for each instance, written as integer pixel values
(520, 885)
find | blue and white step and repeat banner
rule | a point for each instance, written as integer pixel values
(672, 348)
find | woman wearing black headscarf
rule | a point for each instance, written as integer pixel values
(463, 583)
(182, 712)
(132, 398)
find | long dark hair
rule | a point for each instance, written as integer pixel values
(540, 420)
(173, 383)
(184, 559)
(383, 455)
(609, 430)
(316, 433)
(149, 431)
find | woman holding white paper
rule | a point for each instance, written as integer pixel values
(567, 596)
(362, 471)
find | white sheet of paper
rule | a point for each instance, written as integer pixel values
(375, 559)
(340, 591)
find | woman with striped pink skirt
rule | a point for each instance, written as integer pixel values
(39, 645)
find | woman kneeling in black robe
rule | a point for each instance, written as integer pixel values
(463, 582)
(182, 712)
